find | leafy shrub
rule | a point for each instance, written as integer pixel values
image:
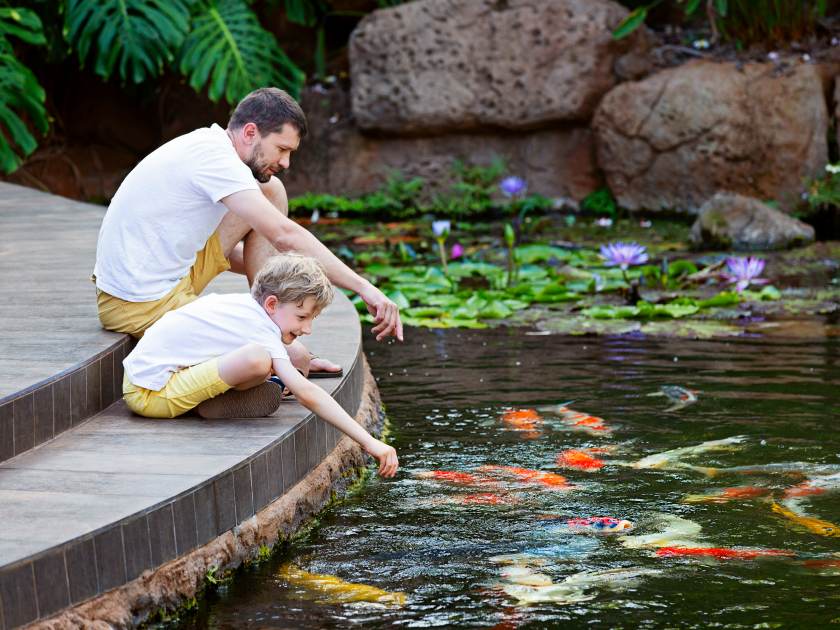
(743, 21)
(600, 202)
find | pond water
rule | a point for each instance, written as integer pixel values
(439, 542)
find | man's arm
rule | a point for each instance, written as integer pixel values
(316, 399)
(286, 235)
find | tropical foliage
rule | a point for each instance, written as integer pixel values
(218, 45)
(742, 21)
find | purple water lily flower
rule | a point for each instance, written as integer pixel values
(457, 251)
(624, 254)
(513, 186)
(745, 271)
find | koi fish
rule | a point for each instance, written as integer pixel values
(485, 498)
(579, 460)
(815, 525)
(528, 475)
(526, 420)
(676, 532)
(670, 459)
(593, 425)
(824, 563)
(575, 587)
(598, 525)
(454, 477)
(523, 574)
(721, 553)
(815, 485)
(725, 495)
(334, 590)
(679, 396)
(800, 469)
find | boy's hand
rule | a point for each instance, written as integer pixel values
(386, 456)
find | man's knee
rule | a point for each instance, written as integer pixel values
(275, 192)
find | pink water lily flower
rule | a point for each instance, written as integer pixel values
(457, 251)
(624, 254)
(745, 271)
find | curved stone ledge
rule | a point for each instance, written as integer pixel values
(181, 578)
(111, 507)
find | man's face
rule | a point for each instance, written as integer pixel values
(272, 153)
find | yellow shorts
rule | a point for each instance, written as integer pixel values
(134, 318)
(185, 389)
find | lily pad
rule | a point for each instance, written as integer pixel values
(691, 329)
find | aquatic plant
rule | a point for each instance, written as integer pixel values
(513, 187)
(441, 231)
(744, 271)
(510, 242)
(457, 251)
(624, 254)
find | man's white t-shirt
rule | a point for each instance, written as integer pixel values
(205, 328)
(164, 212)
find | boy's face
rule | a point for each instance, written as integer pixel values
(293, 319)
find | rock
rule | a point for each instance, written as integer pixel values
(337, 158)
(732, 221)
(672, 140)
(444, 65)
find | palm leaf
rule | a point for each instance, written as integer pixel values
(21, 96)
(133, 38)
(229, 53)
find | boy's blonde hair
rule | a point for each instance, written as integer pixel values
(293, 278)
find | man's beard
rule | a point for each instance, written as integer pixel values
(257, 166)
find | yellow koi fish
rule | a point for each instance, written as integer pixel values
(336, 591)
(815, 525)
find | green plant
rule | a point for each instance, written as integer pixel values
(21, 96)
(743, 21)
(600, 202)
(825, 190)
(231, 54)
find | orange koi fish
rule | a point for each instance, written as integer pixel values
(722, 553)
(725, 495)
(527, 420)
(528, 475)
(575, 459)
(486, 498)
(593, 425)
(455, 477)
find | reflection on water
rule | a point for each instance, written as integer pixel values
(447, 393)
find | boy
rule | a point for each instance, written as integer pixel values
(194, 355)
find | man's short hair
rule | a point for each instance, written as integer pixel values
(293, 278)
(269, 109)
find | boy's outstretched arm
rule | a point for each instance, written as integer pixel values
(316, 399)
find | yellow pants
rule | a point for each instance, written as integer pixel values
(134, 318)
(185, 389)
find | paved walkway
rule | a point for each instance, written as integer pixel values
(107, 494)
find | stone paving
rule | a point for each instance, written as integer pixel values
(90, 495)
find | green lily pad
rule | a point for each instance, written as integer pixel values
(527, 254)
(691, 329)
(399, 298)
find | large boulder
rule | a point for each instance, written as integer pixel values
(672, 140)
(732, 221)
(455, 65)
(336, 157)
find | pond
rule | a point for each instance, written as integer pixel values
(467, 551)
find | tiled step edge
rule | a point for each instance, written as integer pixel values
(42, 411)
(41, 585)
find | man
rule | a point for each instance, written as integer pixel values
(210, 201)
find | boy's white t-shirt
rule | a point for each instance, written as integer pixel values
(205, 328)
(164, 212)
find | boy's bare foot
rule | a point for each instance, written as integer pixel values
(257, 402)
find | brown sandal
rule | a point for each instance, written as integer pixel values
(257, 402)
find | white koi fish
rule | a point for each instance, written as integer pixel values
(575, 588)
(671, 459)
(675, 532)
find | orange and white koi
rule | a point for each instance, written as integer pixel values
(724, 495)
(593, 425)
(813, 486)
(579, 459)
(527, 475)
(485, 498)
(722, 553)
